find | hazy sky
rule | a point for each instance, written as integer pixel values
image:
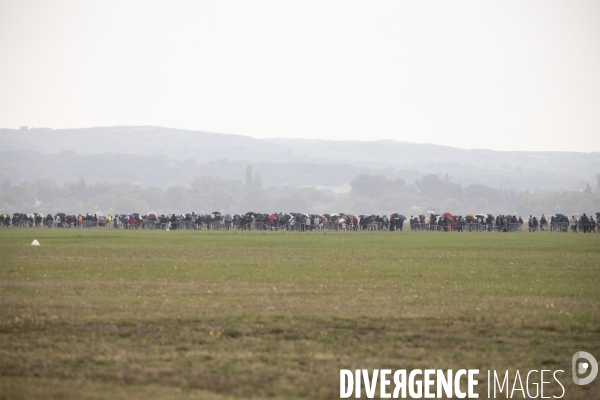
(520, 75)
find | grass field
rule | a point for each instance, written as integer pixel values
(110, 314)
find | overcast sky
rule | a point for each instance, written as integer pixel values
(504, 75)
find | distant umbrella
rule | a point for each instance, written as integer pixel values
(447, 215)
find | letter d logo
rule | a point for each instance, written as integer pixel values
(583, 367)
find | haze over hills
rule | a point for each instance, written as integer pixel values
(159, 156)
(137, 169)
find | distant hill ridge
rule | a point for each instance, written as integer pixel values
(518, 169)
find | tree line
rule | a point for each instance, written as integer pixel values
(369, 194)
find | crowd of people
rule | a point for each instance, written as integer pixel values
(478, 222)
(306, 222)
(502, 223)
(584, 224)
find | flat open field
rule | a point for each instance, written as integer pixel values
(110, 314)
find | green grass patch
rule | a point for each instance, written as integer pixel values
(125, 314)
